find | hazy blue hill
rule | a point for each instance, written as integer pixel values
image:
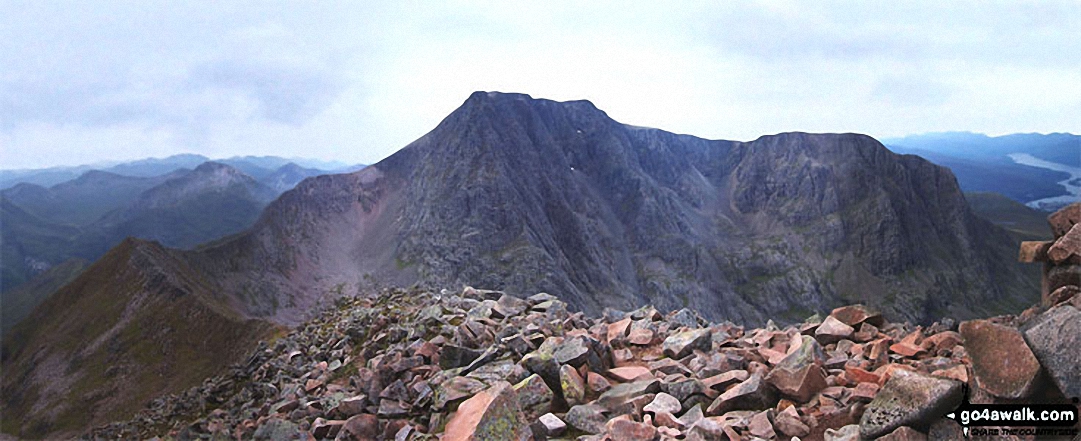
(85, 199)
(1063, 148)
(29, 244)
(212, 201)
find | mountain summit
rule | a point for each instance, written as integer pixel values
(530, 195)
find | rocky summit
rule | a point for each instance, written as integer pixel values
(485, 365)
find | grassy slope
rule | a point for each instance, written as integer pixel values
(136, 324)
(1023, 222)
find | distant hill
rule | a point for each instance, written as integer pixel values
(1024, 222)
(182, 210)
(255, 166)
(981, 164)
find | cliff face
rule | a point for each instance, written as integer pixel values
(533, 195)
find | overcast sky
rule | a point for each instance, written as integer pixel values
(86, 81)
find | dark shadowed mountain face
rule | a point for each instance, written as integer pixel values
(533, 195)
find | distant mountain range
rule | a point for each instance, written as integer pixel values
(83, 218)
(524, 195)
(982, 163)
(255, 166)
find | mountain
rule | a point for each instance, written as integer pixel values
(983, 164)
(137, 323)
(20, 301)
(183, 210)
(526, 195)
(255, 166)
(85, 199)
(288, 176)
(533, 195)
(1055, 147)
(140, 168)
(29, 245)
(213, 201)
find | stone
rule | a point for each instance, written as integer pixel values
(789, 423)
(832, 330)
(850, 432)
(1057, 276)
(752, 394)
(1001, 361)
(1066, 246)
(631, 430)
(618, 330)
(630, 373)
(1063, 294)
(553, 426)
(455, 389)
(576, 351)
(534, 396)
(597, 383)
(865, 392)
(322, 428)
(684, 318)
(363, 427)
(959, 373)
(761, 427)
(453, 356)
(588, 418)
(1063, 220)
(681, 344)
(1055, 339)
(685, 388)
(722, 381)
(859, 375)
(800, 384)
(853, 315)
(663, 403)
(1034, 251)
(907, 349)
(641, 337)
(909, 399)
(904, 433)
(348, 407)
(574, 388)
(620, 393)
(941, 341)
(808, 352)
(277, 429)
(492, 414)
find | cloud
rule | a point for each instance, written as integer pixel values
(355, 81)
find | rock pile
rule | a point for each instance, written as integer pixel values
(484, 365)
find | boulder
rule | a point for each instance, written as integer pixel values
(751, 394)
(832, 330)
(663, 403)
(1001, 361)
(1066, 246)
(1055, 339)
(681, 344)
(853, 315)
(574, 388)
(799, 384)
(553, 426)
(1063, 220)
(534, 396)
(909, 399)
(1034, 251)
(589, 418)
(491, 415)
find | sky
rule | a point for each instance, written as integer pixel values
(90, 81)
